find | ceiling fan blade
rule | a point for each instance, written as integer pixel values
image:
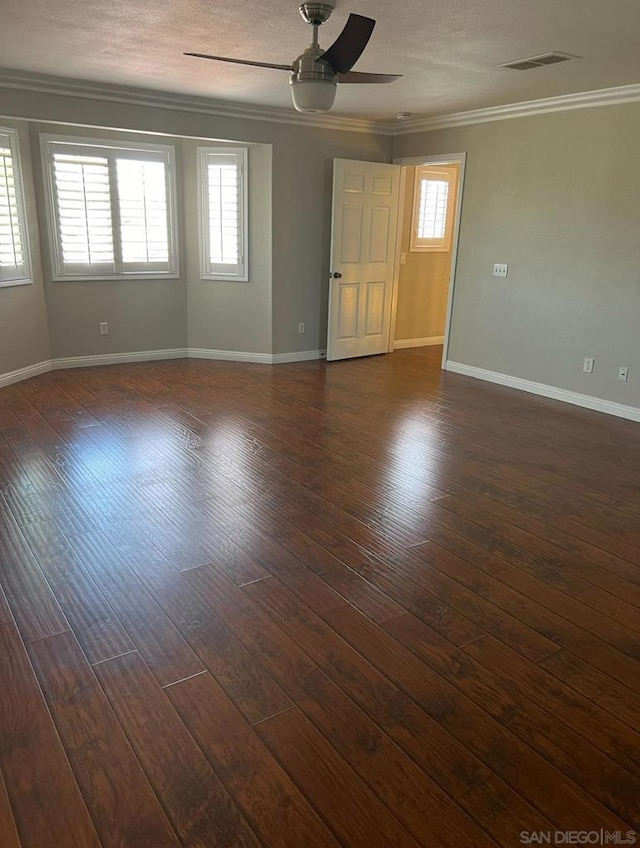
(349, 45)
(354, 76)
(240, 61)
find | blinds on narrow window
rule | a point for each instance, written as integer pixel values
(223, 209)
(434, 198)
(14, 263)
(432, 218)
(222, 174)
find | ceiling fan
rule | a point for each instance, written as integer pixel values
(315, 74)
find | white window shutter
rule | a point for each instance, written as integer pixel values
(223, 212)
(144, 221)
(112, 208)
(434, 196)
(432, 218)
(83, 201)
(14, 265)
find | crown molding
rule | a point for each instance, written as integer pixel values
(562, 103)
(65, 87)
(62, 86)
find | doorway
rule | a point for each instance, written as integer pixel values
(428, 230)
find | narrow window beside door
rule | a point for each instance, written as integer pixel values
(14, 249)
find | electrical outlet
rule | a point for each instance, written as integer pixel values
(104, 328)
(500, 270)
(301, 327)
(623, 373)
(403, 258)
(589, 362)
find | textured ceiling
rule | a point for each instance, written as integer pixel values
(448, 50)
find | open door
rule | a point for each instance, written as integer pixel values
(363, 251)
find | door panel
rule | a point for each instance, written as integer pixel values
(348, 313)
(351, 235)
(378, 230)
(374, 309)
(363, 249)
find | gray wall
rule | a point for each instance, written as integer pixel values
(226, 315)
(142, 314)
(301, 161)
(24, 334)
(557, 197)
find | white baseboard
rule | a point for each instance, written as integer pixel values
(117, 358)
(298, 356)
(229, 355)
(587, 401)
(24, 373)
(263, 358)
(426, 342)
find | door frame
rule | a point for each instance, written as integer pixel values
(444, 159)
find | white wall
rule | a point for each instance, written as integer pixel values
(556, 197)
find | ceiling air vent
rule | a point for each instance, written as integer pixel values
(538, 61)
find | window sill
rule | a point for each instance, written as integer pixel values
(221, 278)
(116, 278)
(6, 284)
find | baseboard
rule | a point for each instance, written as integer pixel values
(25, 373)
(263, 358)
(632, 413)
(153, 355)
(117, 358)
(426, 342)
(229, 355)
(298, 356)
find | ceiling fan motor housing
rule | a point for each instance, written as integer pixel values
(313, 82)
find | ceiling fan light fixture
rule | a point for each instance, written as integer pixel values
(313, 95)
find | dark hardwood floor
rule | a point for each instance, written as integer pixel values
(364, 604)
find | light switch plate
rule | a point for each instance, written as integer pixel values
(500, 270)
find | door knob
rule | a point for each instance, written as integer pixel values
(336, 275)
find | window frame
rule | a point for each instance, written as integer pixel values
(25, 279)
(449, 174)
(242, 159)
(111, 150)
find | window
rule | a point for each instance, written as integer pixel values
(433, 204)
(14, 247)
(222, 181)
(111, 208)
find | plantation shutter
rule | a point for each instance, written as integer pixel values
(144, 220)
(433, 205)
(222, 179)
(13, 247)
(84, 214)
(111, 209)
(432, 216)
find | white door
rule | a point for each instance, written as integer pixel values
(363, 251)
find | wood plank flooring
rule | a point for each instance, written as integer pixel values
(365, 604)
